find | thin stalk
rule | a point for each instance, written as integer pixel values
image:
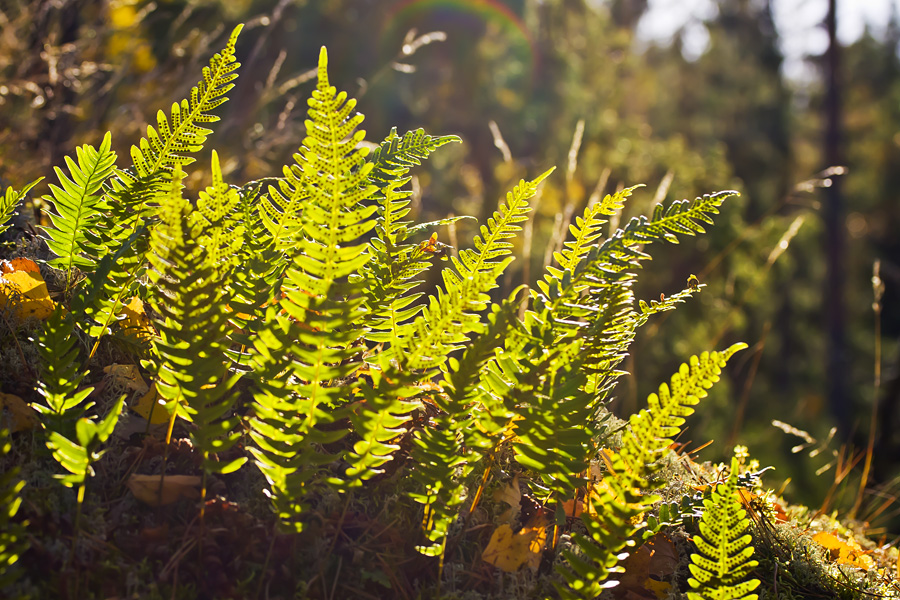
(262, 573)
(877, 292)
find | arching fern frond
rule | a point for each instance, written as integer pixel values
(611, 522)
(451, 315)
(398, 154)
(75, 207)
(179, 134)
(721, 568)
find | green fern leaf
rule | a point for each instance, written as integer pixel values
(398, 154)
(305, 353)
(611, 522)
(61, 377)
(75, 207)
(13, 540)
(722, 567)
(179, 135)
(451, 315)
(9, 200)
(190, 297)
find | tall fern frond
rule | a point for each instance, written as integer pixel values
(75, 207)
(9, 200)
(179, 134)
(721, 568)
(452, 314)
(302, 357)
(611, 522)
(190, 297)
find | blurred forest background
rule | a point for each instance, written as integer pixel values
(532, 83)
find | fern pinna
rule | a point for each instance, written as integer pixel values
(721, 568)
(611, 524)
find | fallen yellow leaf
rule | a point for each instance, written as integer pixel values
(23, 289)
(136, 322)
(156, 490)
(152, 407)
(127, 377)
(21, 416)
(844, 552)
(509, 550)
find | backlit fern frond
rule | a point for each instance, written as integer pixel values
(75, 207)
(396, 155)
(180, 134)
(392, 272)
(217, 219)
(9, 200)
(62, 374)
(721, 568)
(13, 541)
(451, 315)
(305, 353)
(190, 296)
(447, 451)
(610, 523)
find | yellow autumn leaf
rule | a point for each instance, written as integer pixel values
(23, 289)
(842, 552)
(509, 550)
(136, 322)
(152, 407)
(156, 490)
(127, 377)
(16, 414)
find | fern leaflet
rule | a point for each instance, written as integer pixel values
(9, 200)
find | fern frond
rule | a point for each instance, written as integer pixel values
(78, 456)
(13, 541)
(190, 297)
(61, 376)
(398, 154)
(217, 220)
(75, 209)
(305, 353)
(721, 568)
(392, 271)
(449, 449)
(610, 523)
(179, 135)
(451, 315)
(9, 200)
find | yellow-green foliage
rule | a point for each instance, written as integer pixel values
(288, 316)
(721, 568)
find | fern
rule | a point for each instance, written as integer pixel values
(391, 274)
(179, 135)
(610, 523)
(12, 535)
(8, 203)
(300, 358)
(192, 367)
(396, 155)
(451, 315)
(447, 451)
(76, 207)
(722, 567)
(59, 384)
